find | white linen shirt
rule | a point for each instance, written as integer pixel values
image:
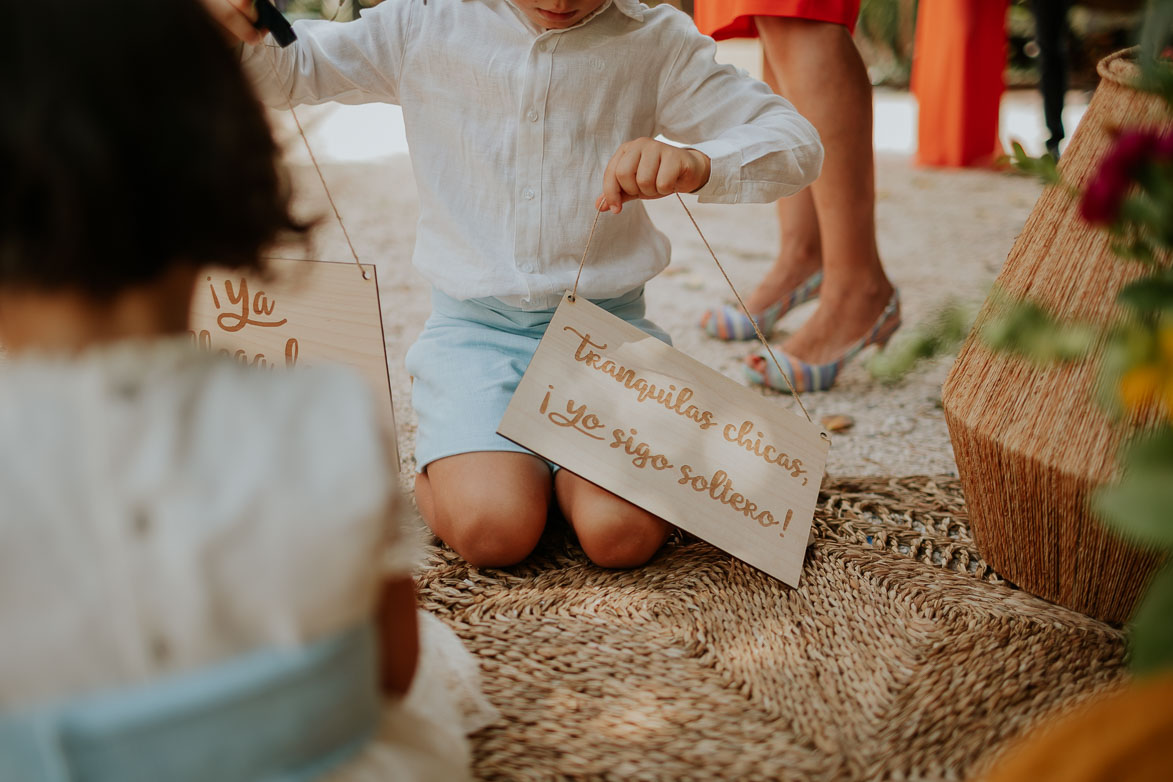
(510, 128)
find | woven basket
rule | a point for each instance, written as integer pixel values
(1031, 442)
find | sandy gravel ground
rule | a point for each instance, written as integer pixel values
(941, 233)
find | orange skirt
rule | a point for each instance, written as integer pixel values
(734, 18)
(957, 65)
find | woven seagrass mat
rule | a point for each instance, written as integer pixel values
(901, 656)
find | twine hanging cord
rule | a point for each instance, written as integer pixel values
(757, 330)
(321, 177)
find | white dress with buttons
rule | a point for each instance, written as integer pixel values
(161, 511)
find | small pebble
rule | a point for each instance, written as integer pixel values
(837, 422)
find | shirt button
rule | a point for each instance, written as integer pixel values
(528, 193)
(160, 649)
(528, 268)
(127, 390)
(532, 116)
(141, 525)
(541, 46)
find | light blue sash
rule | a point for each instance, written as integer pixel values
(277, 715)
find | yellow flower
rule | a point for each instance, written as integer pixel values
(1140, 387)
(1165, 341)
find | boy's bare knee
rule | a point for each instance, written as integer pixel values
(489, 507)
(495, 537)
(624, 539)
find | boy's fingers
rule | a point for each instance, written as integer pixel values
(625, 173)
(647, 172)
(611, 191)
(669, 175)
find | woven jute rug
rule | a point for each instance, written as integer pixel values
(901, 656)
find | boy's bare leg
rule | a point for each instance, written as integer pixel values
(613, 532)
(800, 252)
(489, 506)
(820, 71)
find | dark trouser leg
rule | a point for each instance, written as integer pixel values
(1051, 35)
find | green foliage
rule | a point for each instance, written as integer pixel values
(1026, 329)
(1151, 295)
(1151, 639)
(1140, 506)
(1044, 167)
(884, 34)
(1156, 36)
(942, 333)
(881, 21)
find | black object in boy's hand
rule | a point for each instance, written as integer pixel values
(269, 18)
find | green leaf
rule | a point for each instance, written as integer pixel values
(941, 333)
(1021, 159)
(1150, 453)
(1151, 639)
(1140, 506)
(1026, 329)
(1043, 167)
(1149, 294)
(1140, 210)
(1048, 169)
(1134, 249)
(1157, 33)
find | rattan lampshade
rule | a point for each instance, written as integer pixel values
(1031, 442)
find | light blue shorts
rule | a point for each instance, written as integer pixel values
(468, 361)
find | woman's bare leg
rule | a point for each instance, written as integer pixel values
(800, 251)
(820, 71)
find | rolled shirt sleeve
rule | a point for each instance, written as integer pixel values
(356, 62)
(760, 147)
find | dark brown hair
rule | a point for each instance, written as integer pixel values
(130, 141)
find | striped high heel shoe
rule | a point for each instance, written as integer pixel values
(728, 322)
(820, 377)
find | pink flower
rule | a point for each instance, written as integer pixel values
(1117, 172)
(1163, 147)
(1102, 197)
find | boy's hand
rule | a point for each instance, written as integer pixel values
(236, 17)
(646, 168)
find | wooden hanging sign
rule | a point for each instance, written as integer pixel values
(299, 313)
(667, 433)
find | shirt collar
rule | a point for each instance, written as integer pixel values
(633, 9)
